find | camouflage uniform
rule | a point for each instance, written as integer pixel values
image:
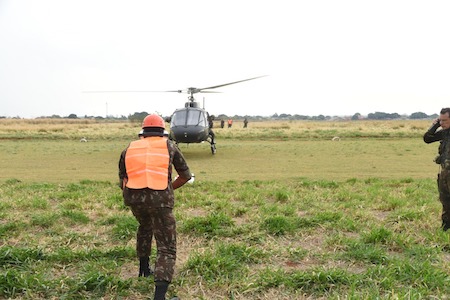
(153, 210)
(211, 132)
(443, 159)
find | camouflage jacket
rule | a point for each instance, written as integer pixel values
(434, 135)
(154, 198)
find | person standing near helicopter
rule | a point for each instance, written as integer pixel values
(443, 159)
(145, 173)
(211, 125)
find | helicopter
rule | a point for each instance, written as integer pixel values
(192, 123)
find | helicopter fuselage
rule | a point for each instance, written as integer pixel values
(189, 125)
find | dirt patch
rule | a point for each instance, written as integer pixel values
(186, 246)
(129, 270)
(195, 212)
(380, 215)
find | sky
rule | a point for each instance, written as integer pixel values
(326, 57)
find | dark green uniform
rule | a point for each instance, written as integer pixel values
(443, 159)
(153, 210)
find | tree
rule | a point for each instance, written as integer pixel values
(72, 116)
(418, 115)
(382, 116)
(301, 117)
(356, 116)
(137, 117)
(284, 116)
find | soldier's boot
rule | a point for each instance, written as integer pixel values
(161, 290)
(144, 268)
(445, 226)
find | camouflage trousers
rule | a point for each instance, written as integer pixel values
(160, 223)
(444, 195)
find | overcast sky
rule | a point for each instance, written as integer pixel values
(322, 57)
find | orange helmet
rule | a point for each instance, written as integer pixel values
(153, 121)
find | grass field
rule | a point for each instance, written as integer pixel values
(280, 212)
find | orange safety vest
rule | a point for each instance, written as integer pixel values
(147, 164)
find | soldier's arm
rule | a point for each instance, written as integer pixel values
(122, 170)
(180, 165)
(432, 135)
(179, 182)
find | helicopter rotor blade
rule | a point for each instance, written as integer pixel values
(190, 90)
(221, 85)
(122, 91)
(175, 91)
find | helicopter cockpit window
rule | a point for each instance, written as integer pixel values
(196, 117)
(179, 118)
(189, 118)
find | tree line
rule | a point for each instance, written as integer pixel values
(139, 116)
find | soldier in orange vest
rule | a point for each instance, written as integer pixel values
(145, 173)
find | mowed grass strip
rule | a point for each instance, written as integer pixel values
(65, 161)
(249, 239)
(51, 151)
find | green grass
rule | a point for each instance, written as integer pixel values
(316, 242)
(265, 219)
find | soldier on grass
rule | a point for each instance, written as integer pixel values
(145, 172)
(443, 159)
(245, 122)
